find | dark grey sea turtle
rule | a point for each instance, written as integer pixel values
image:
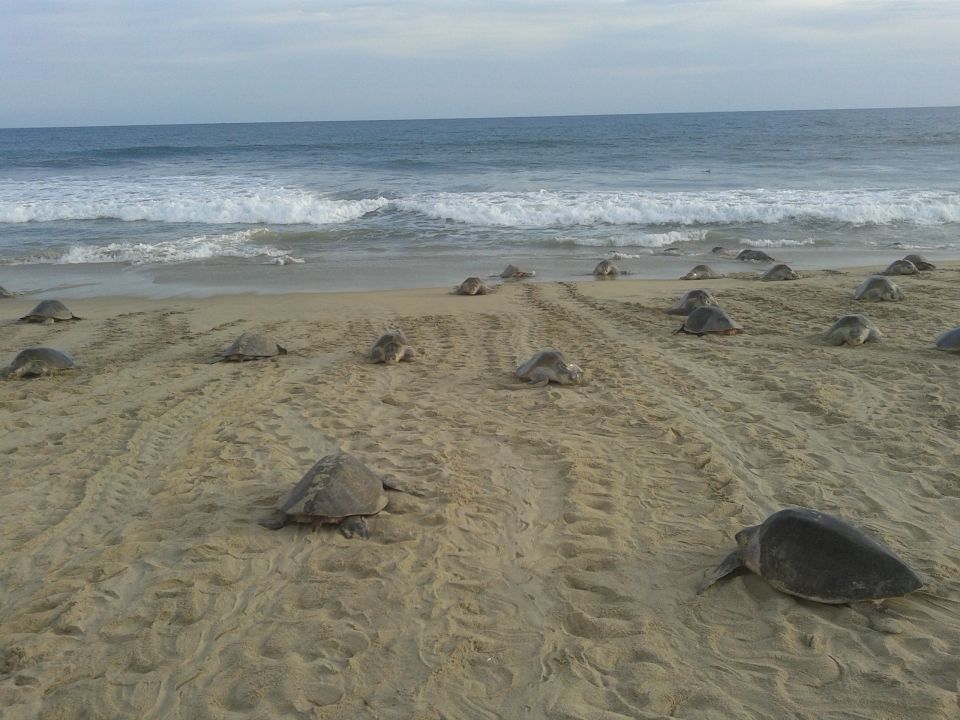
(709, 319)
(877, 287)
(34, 362)
(691, 300)
(250, 346)
(900, 267)
(512, 272)
(49, 311)
(817, 557)
(338, 490)
(853, 330)
(949, 341)
(920, 262)
(606, 269)
(4, 293)
(702, 272)
(780, 271)
(549, 366)
(754, 256)
(721, 250)
(391, 348)
(473, 286)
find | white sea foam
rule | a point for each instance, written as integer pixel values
(777, 243)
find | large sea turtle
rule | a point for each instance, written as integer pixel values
(877, 287)
(512, 272)
(754, 256)
(900, 267)
(250, 346)
(549, 366)
(34, 362)
(49, 311)
(780, 271)
(691, 300)
(949, 340)
(709, 319)
(473, 286)
(702, 272)
(339, 490)
(606, 269)
(920, 262)
(817, 557)
(853, 330)
(391, 348)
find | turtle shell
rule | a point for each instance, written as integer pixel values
(33, 362)
(513, 272)
(900, 267)
(754, 256)
(337, 486)
(702, 272)
(877, 287)
(473, 286)
(251, 346)
(708, 319)
(690, 301)
(781, 271)
(605, 268)
(49, 310)
(949, 340)
(854, 329)
(920, 262)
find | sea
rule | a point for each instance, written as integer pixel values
(168, 210)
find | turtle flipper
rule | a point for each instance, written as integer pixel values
(732, 562)
(355, 525)
(275, 521)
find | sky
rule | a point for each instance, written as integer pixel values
(115, 62)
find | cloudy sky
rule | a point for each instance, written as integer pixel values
(108, 62)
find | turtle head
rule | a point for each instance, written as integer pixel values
(746, 535)
(392, 352)
(573, 372)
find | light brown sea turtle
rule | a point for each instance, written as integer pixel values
(49, 311)
(34, 362)
(920, 262)
(702, 272)
(949, 340)
(4, 293)
(709, 319)
(780, 271)
(391, 348)
(606, 269)
(817, 557)
(754, 256)
(900, 267)
(337, 490)
(549, 366)
(878, 288)
(512, 272)
(691, 300)
(853, 330)
(473, 286)
(250, 346)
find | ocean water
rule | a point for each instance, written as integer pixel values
(162, 210)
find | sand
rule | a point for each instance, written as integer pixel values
(549, 568)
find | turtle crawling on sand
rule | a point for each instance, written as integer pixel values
(337, 490)
(512, 272)
(754, 256)
(702, 272)
(780, 271)
(949, 341)
(34, 362)
(920, 262)
(690, 301)
(391, 348)
(549, 366)
(473, 286)
(606, 269)
(709, 319)
(853, 330)
(878, 288)
(900, 267)
(49, 312)
(250, 346)
(817, 557)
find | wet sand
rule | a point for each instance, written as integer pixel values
(549, 567)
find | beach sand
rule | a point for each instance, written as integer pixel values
(549, 568)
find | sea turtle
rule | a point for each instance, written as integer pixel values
(250, 346)
(549, 366)
(949, 340)
(853, 330)
(780, 271)
(337, 490)
(473, 286)
(702, 272)
(34, 362)
(4, 293)
(877, 287)
(709, 319)
(817, 557)
(512, 272)
(606, 269)
(720, 250)
(391, 348)
(754, 256)
(900, 267)
(920, 262)
(691, 300)
(49, 311)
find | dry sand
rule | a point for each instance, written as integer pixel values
(549, 570)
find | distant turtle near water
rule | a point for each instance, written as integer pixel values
(391, 348)
(690, 301)
(780, 271)
(709, 319)
(250, 346)
(900, 267)
(49, 312)
(4, 293)
(512, 272)
(702, 272)
(606, 269)
(949, 341)
(34, 362)
(337, 490)
(754, 256)
(473, 286)
(817, 557)
(920, 262)
(878, 288)
(853, 330)
(549, 366)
